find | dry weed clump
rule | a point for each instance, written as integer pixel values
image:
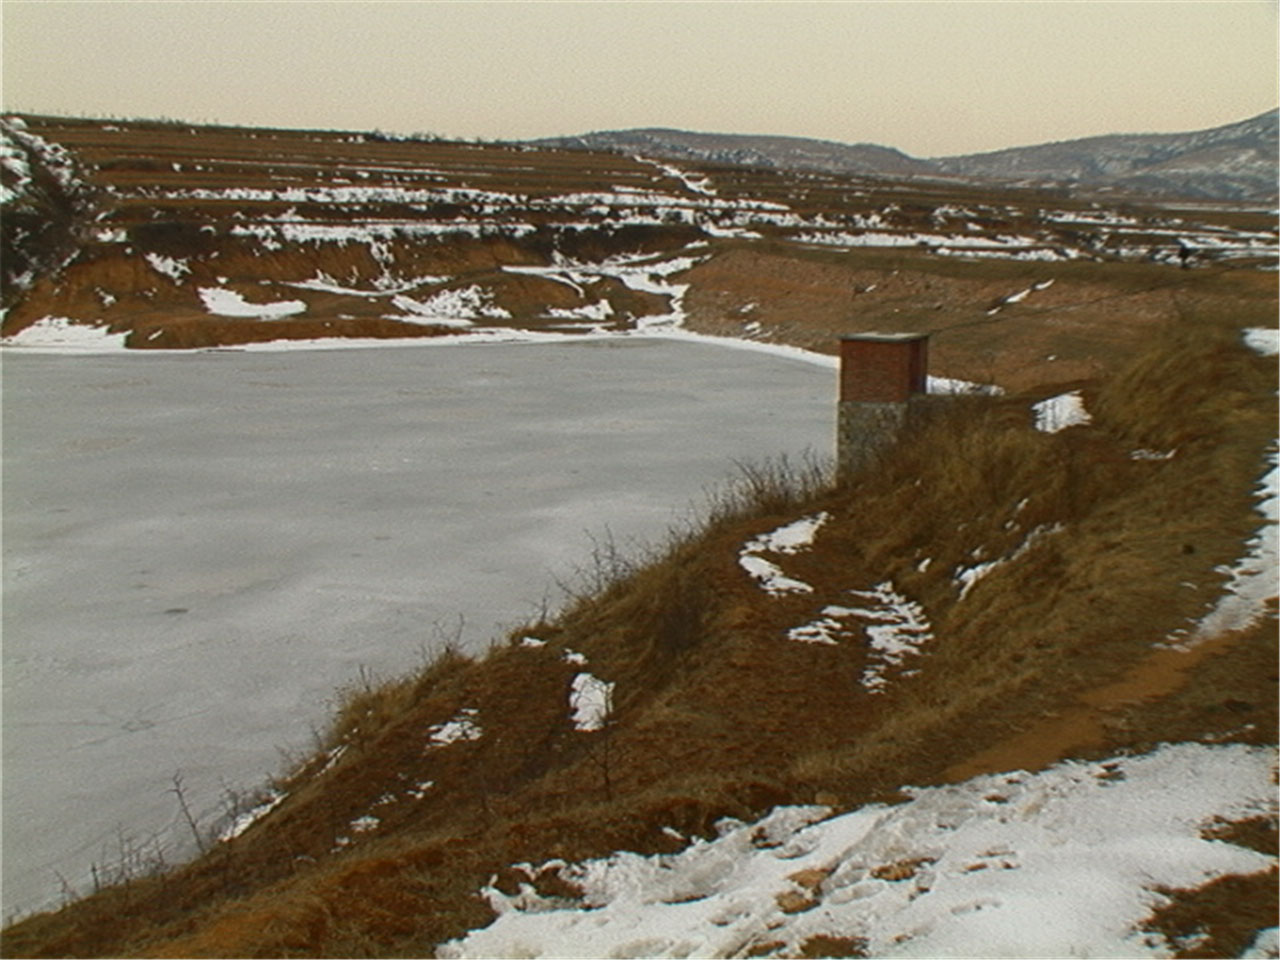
(1221, 918)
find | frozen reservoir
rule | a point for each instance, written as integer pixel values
(200, 549)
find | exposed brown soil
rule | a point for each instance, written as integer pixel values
(1221, 918)
(1086, 727)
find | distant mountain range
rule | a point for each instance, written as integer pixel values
(1239, 161)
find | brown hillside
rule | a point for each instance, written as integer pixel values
(343, 224)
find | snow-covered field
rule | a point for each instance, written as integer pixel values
(201, 547)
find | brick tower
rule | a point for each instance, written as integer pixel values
(879, 375)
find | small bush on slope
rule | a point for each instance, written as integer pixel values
(715, 711)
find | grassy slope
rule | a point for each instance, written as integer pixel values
(718, 713)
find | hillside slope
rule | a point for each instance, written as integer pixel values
(199, 237)
(1237, 161)
(785, 153)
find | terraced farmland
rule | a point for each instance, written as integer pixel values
(186, 237)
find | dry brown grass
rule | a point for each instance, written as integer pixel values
(1085, 326)
(1219, 919)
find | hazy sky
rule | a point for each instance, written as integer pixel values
(930, 78)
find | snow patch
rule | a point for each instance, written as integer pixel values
(895, 628)
(247, 819)
(1065, 862)
(790, 538)
(457, 307)
(461, 728)
(770, 576)
(1263, 340)
(590, 702)
(692, 183)
(826, 629)
(640, 273)
(18, 147)
(900, 628)
(172, 268)
(419, 789)
(228, 303)
(58, 334)
(385, 287)
(1265, 945)
(967, 577)
(599, 311)
(946, 386)
(1058, 413)
(1252, 578)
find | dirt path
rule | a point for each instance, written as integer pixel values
(1085, 725)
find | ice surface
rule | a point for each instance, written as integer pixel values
(1055, 864)
(200, 548)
